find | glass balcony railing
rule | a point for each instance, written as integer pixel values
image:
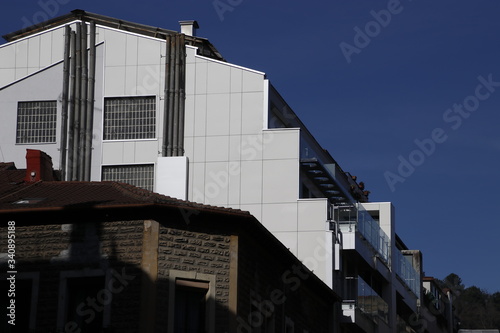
(356, 218)
(366, 299)
(372, 232)
(404, 269)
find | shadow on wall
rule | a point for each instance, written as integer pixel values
(89, 277)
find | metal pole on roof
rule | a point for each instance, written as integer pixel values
(90, 104)
(64, 107)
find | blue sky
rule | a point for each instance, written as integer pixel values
(403, 94)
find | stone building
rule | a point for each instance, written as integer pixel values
(111, 257)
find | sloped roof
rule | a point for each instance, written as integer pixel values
(57, 195)
(72, 201)
(205, 48)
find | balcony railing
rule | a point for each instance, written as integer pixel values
(366, 299)
(352, 219)
(405, 270)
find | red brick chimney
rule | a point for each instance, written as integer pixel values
(38, 166)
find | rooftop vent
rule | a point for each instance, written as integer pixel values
(189, 27)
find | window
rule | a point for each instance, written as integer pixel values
(79, 313)
(262, 315)
(289, 325)
(191, 302)
(25, 306)
(141, 175)
(190, 306)
(36, 122)
(128, 118)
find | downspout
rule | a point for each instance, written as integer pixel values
(173, 126)
(71, 108)
(64, 107)
(166, 100)
(170, 110)
(78, 83)
(176, 99)
(182, 94)
(83, 105)
(90, 104)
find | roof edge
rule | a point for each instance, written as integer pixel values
(206, 48)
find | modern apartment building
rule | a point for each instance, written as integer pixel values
(115, 100)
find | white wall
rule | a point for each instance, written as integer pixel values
(34, 88)
(28, 55)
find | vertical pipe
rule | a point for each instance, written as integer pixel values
(90, 104)
(166, 99)
(175, 142)
(171, 96)
(83, 103)
(71, 107)
(78, 83)
(182, 94)
(64, 107)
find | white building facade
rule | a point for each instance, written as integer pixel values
(183, 122)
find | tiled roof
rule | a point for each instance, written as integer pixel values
(47, 195)
(7, 166)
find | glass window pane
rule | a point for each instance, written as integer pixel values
(128, 118)
(36, 122)
(141, 175)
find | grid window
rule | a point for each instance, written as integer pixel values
(36, 122)
(137, 175)
(128, 118)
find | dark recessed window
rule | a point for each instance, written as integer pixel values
(190, 306)
(79, 312)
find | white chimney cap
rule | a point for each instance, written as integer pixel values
(189, 27)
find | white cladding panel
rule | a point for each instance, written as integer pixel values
(312, 214)
(280, 180)
(315, 250)
(280, 217)
(34, 88)
(171, 176)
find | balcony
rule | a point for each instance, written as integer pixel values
(326, 175)
(406, 272)
(355, 218)
(362, 304)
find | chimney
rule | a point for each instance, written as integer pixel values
(38, 166)
(188, 28)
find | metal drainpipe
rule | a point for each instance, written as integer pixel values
(78, 83)
(166, 122)
(64, 107)
(176, 99)
(182, 94)
(90, 104)
(71, 107)
(83, 105)
(170, 125)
